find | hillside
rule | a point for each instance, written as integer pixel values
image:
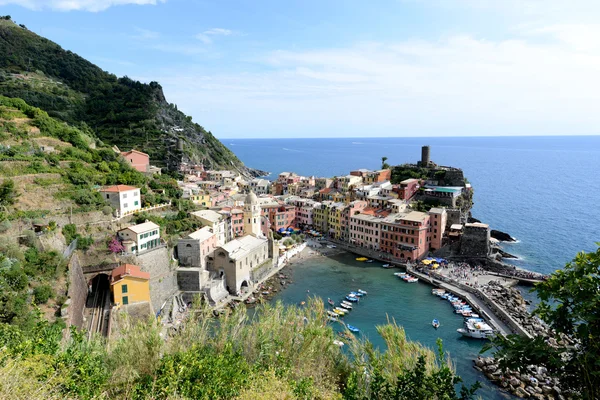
(120, 111)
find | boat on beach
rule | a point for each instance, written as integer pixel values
(435, 323)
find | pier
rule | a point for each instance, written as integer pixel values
(486, 307)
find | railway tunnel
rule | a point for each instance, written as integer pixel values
(98, 305)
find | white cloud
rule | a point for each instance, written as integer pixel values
(205, 37)
(78, 5)
(218, 31)
(545, 81)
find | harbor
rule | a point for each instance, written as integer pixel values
(411, 306)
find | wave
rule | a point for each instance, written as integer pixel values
(293, 150)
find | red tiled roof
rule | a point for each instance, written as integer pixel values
(118, 188)
(128, 270)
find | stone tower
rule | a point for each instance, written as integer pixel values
(425, 156)
(252, 216)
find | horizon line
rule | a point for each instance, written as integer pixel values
(407, 137)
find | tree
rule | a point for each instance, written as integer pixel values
(570, 305)
(384, 164)
(8, 194)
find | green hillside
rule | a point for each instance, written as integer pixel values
(120, 111)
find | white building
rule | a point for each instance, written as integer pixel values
(260, 186)
(217, 222)
(125, 199)
(252, 211)
(140, 237)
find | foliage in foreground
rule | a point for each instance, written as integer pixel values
(570, 305)
(280, 353)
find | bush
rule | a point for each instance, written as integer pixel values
(8, 194)
(69, 231)
(30, 238)
(107, 210)
(5, 225)
(42, 294)
(84, 242)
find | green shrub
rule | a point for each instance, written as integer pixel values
(107, 210)
(84, 242)
(69, 231)
(8, 193)
(5, 225)
(42, 294)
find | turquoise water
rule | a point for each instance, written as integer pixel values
(410, 305)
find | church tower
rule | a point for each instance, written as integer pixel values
(252, 216)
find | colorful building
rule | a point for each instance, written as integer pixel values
(406, 235)
(138, 160)
(129, 285)
(439, 219)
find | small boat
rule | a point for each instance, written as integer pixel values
(352, 299)
(476, 330)
(338, 343)
(400, 274)
(331, 302)
(357, 294)
(346, 306)
(369, 261)
(362, 259)
(412, 280)
(352, 328)
(339, 312)
(386, 266)
(362, 291)
(347, 303)
(331, 314)
(435, 323)
(333, 319)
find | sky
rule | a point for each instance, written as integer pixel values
(347, 68)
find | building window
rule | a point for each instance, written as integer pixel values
(124, 195)
(107, 196)
(123, 288)
(125, 205)
(125, 300)
(135, 194)
(135, 203)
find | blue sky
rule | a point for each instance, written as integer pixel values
(346, 68)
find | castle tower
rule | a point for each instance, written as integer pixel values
(425, 156)
(252, 216)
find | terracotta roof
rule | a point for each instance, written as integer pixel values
(124, 153)
(128, 270)
(118, 188)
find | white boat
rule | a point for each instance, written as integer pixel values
(435, 323)
(340, 311)
(386, 266)
(331, 313)
(412, 279)
(477, 330)
(369, 261)
(362, 291)
(346, 306)
(338, 343)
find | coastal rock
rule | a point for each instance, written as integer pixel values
(546, 389)
(502, 236)
(521, 393)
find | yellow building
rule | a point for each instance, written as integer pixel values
(129, 285)
(335, 220)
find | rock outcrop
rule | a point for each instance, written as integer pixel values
(502, 236)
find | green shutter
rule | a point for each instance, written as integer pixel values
(123, 288)
(125, 300)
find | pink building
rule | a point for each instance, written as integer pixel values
(406, 235)
(365, 228)
(439, 218)
(355, 207)
(237, 222)
(137, 159)
(280, 216)
(408, 188)
(195, 249)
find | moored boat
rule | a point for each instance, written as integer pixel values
(476, 330)
(338, 343)
(352, 328)
(346, 306)
(361, 259)
(362, 291)
(352, 299)
(357, 294)
(435, 323)
(369, 261)
(386, 266)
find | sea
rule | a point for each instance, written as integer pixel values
(543, 191)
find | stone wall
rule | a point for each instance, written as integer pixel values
(163, 274)
(454, 217)
(77, 294)
(188, 279)
(188, 252)
(475, 241)
(454, 177)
